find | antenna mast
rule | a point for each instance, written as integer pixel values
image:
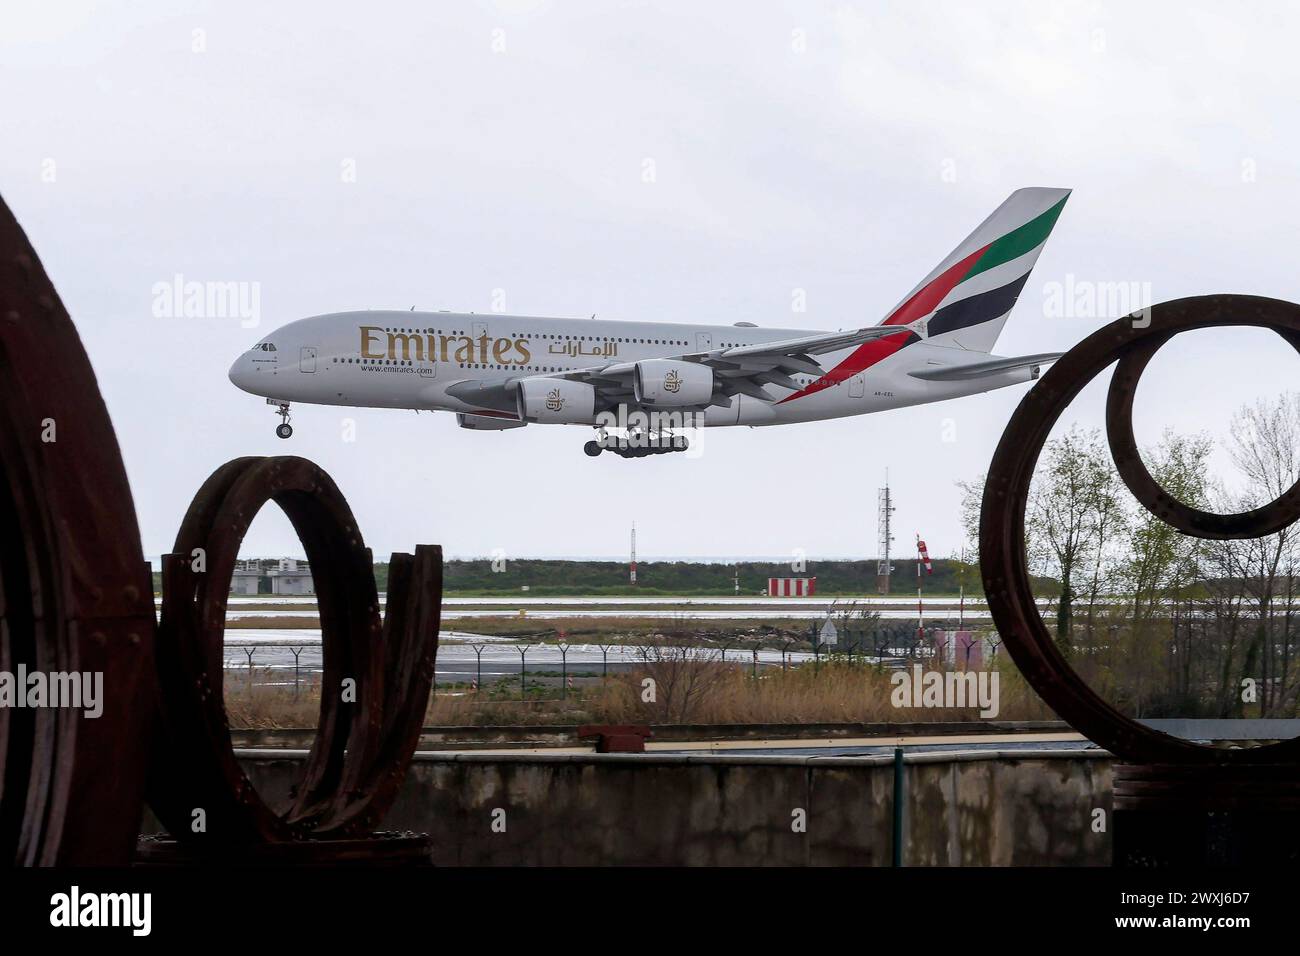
(884, 522)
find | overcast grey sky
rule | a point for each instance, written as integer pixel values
(841, 149)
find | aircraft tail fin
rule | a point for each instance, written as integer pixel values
(965, 301)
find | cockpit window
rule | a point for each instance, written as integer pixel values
(263, 347)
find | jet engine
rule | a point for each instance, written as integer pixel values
(556, 401)
(668, 384)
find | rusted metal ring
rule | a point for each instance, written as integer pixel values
(1260, 522)
(75, 590)
(1003, 561)
(360, 754)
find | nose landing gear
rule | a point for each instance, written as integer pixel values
(284, 429)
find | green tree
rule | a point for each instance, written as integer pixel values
(1160, 557)
(1073, 511)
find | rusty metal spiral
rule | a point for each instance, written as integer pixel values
(377, 674)
(1130, 342)
(76, 595)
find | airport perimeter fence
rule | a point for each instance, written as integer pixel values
(890, 646)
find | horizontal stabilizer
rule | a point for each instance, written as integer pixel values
(969, 370)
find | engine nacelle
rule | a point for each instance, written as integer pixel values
(668, 384)
(487, 423)
(556, 401)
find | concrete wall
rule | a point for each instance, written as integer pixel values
(1014, 808)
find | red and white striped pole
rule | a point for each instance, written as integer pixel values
(920, 606)
(922, 558)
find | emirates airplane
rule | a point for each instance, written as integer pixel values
(639, 382)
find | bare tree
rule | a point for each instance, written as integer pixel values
(683, 676)
(852, 613)
(972, 501)
(1265, 446)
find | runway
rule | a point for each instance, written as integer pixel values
(695, 613)
(463, 656)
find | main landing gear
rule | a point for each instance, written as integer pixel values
(637, 445)
(284, 429)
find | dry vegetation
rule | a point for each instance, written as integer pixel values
(236, 623)
(687, 691)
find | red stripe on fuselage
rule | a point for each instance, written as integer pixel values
(925, 301)
(864, 356)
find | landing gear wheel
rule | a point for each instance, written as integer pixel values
(284, 429)
(593, 448)
(642, 445)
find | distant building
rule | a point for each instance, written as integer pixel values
(271, 576)
(245, 578)
(791, 587)
(291, 577)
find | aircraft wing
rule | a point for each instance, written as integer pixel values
(816, 344)
(742, 369)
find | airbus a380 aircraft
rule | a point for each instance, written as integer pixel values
(646, 378)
